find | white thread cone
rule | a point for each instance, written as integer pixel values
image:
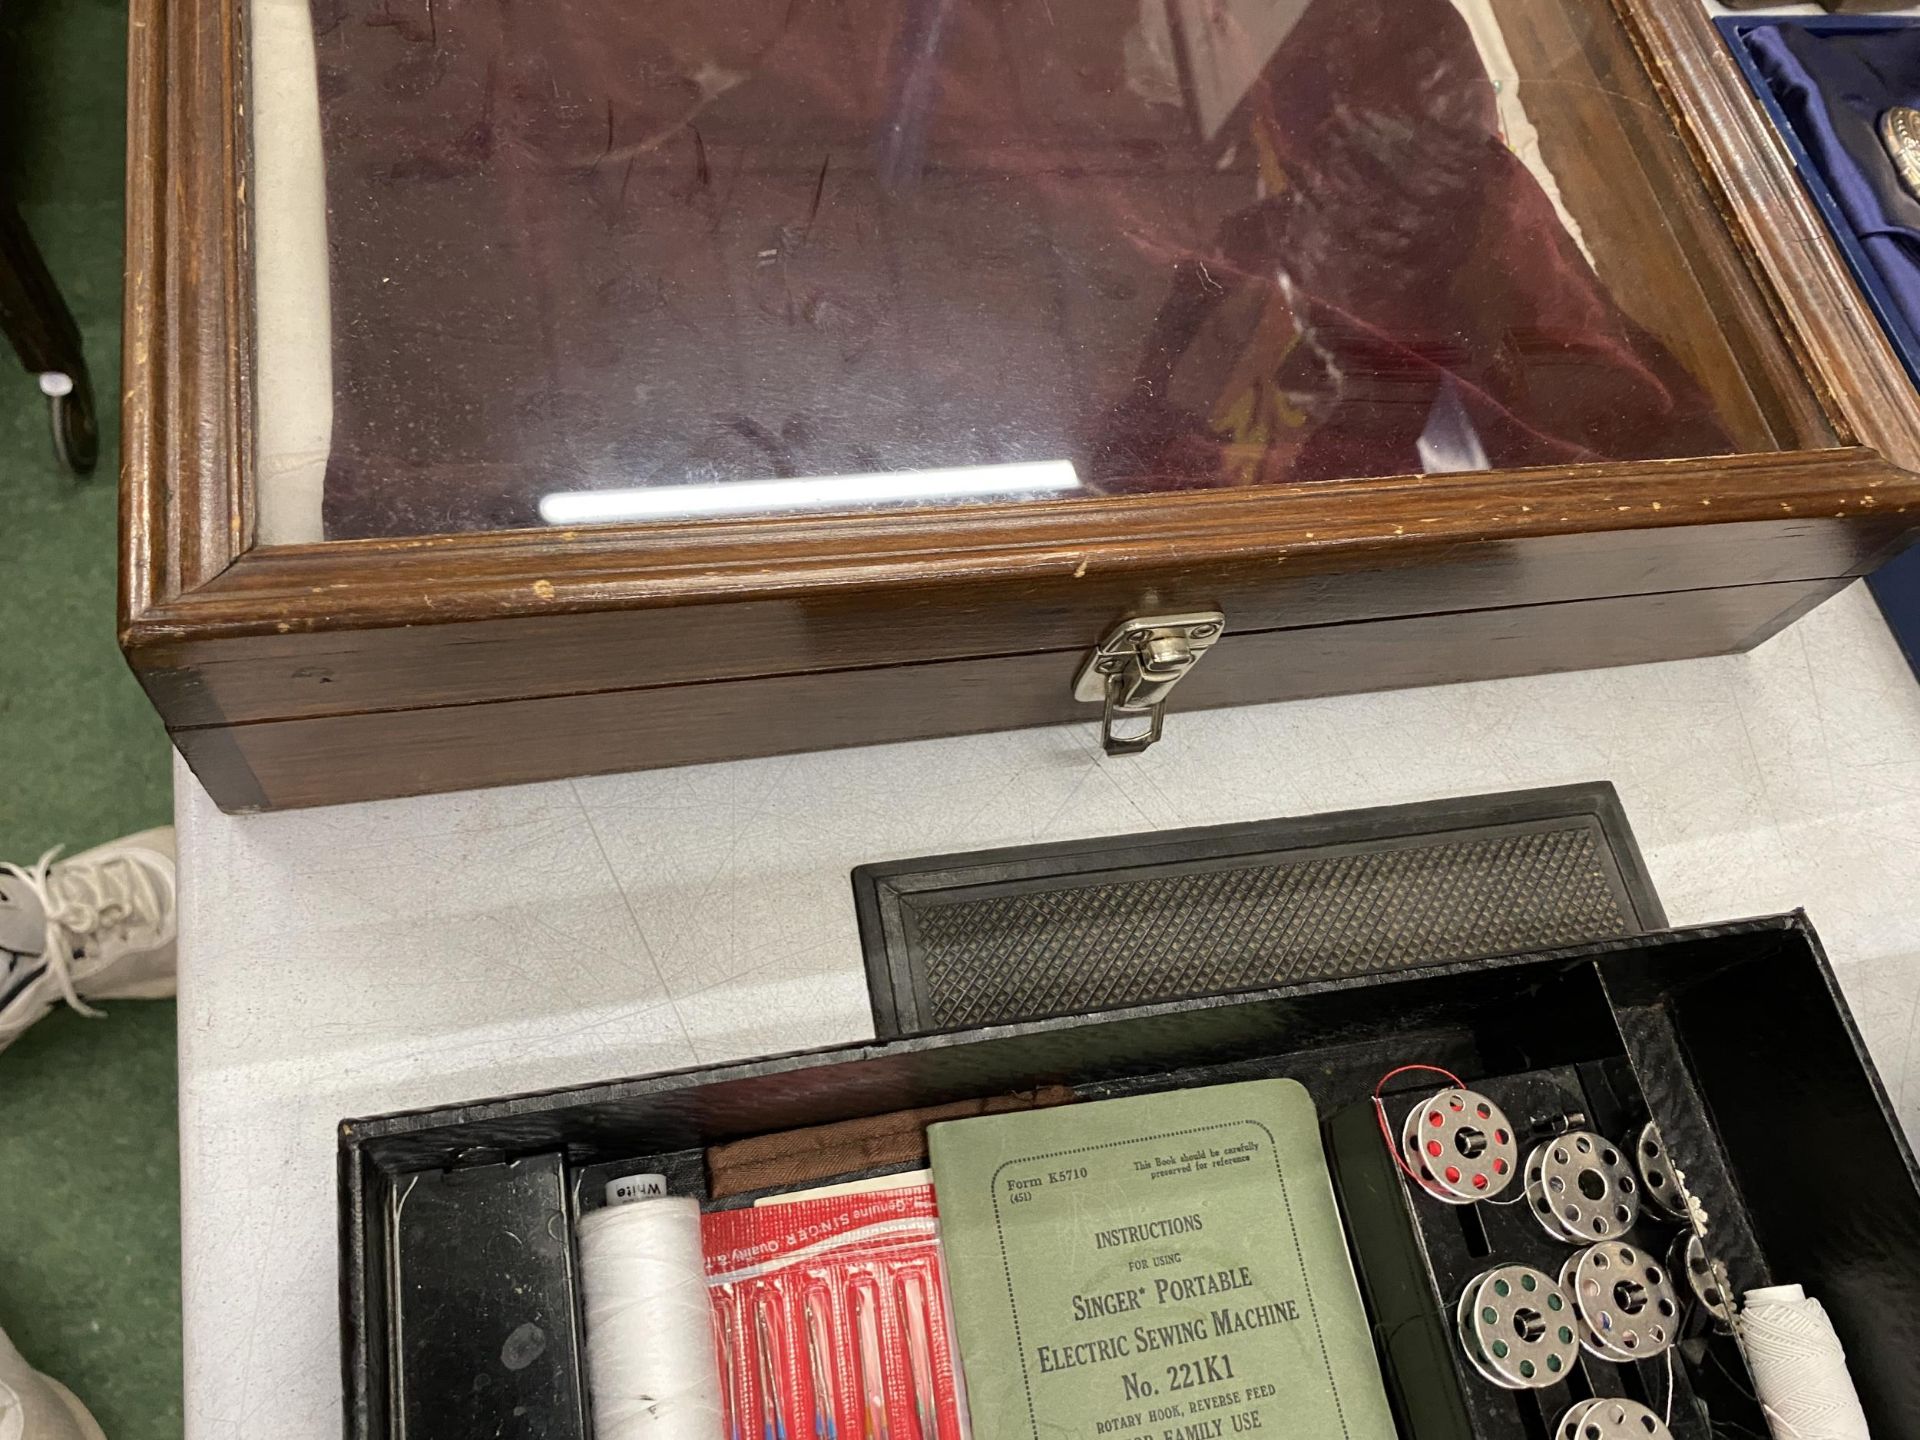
(1799, 1367)
(650, 1349)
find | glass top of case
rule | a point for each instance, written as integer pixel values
(587, 261)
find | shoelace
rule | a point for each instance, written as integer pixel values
(81, 900)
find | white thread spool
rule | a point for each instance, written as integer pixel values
(1798, 1367)
(650, 1347)
(635, 1187)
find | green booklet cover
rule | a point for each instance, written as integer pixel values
(1168, 1267)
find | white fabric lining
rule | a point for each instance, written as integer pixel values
(293, 355)
(1516, 127)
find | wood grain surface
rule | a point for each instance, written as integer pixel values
(1046, 602)
(285, 763)
(186, 347)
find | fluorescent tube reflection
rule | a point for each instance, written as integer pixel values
(811, 492)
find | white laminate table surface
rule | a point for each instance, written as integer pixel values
(372, 957)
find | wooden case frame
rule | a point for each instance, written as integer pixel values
(358, 669)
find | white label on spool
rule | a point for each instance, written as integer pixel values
(635, 1187)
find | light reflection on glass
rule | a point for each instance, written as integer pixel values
(1022, 481)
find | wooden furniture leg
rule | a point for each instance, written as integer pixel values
(47, 341)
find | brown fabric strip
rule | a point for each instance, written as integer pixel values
(848, 1147)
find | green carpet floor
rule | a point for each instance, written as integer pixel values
(89, 1171)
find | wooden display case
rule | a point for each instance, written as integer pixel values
(512, 396)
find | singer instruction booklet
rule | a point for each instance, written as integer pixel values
(1169, 1267)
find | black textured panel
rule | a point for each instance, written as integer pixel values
(1109, 945)
(988, 939)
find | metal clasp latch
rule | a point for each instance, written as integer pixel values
(1134, 668)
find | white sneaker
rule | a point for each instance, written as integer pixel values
(100, 926)
(38, 1407)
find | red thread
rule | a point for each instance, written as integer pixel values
(1380, 1109)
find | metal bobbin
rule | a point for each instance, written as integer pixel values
(1624, 1301)
(1704, 1276)
(1462, 1313)
(1611, 1419)
(1460, 1146)
(1662, 1183)
(1581, 1188)
(1517, 1327)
